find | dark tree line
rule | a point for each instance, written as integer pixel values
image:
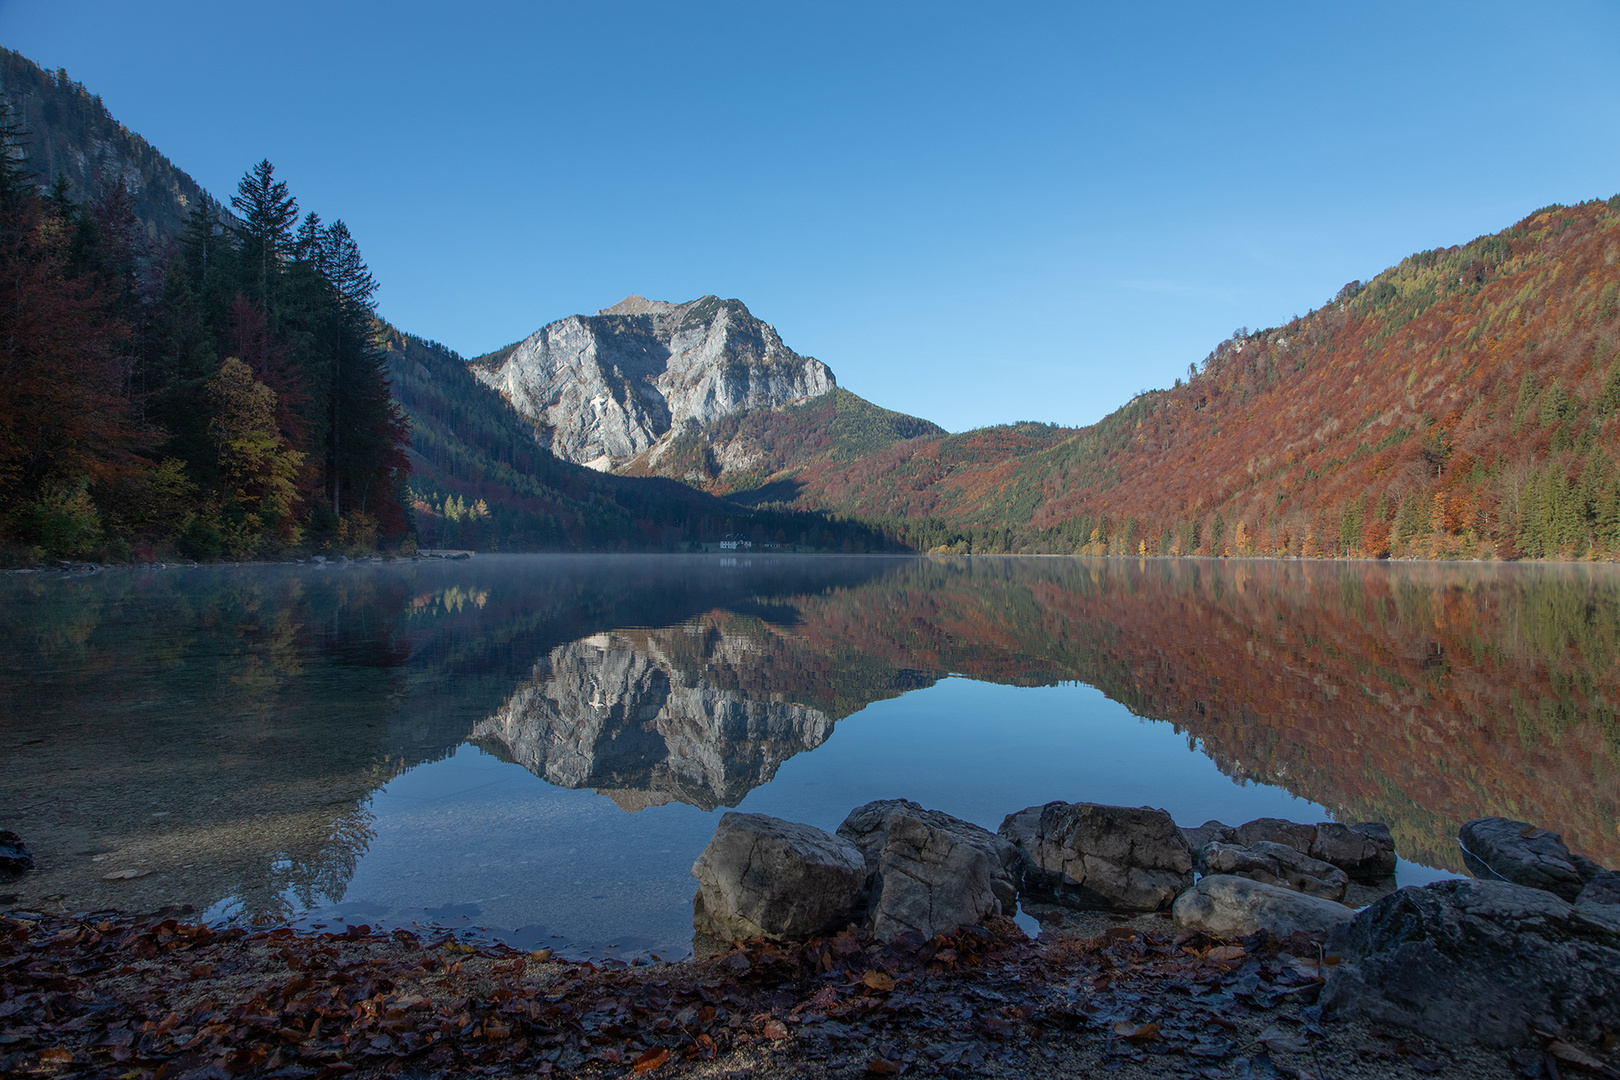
(223, 395)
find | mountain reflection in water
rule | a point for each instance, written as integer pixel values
(222, 730)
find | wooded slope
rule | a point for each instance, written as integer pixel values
(1461, 404)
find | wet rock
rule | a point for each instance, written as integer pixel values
(1237, 907)
(1275, 831)
(1486, 961)
(1366, 851)
(15, 858)
(930, 872)
(1208, 833)
(1603, 888)
(1517, 851)
(764, 876)
(1275, 864)
(1092, 856)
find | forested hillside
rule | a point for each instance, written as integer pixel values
(71, 136)
(1462, 404)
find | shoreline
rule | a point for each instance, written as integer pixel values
(148, 996)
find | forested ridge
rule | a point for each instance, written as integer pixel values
(1462, 404)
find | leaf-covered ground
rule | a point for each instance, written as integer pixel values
(158, 999)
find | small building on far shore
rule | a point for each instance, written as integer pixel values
(736, 542)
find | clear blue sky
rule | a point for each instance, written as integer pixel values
(974, 213)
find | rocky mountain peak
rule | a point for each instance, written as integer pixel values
(639, 305)
(603, 388)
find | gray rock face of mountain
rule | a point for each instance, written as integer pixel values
(616, 715)
(605, 387)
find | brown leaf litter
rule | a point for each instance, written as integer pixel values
(159, 999)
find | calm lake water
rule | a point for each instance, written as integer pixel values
(536, 748)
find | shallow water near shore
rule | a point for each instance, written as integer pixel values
(534, 749)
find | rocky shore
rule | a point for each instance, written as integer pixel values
(886, 949)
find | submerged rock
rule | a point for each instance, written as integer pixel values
(930, 872)
(1487, 961)
(1275, 864)
(15, 858)
(1517, 851)
(1093, 856)
(762, 876)
(1237, 907)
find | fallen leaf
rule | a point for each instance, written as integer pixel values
(652, 1059)
(1226, 953)
(1563, 1051)
(56, 1055)
(1136, 1033)
(877, 980)
(541, 955)
(774, 1029)
(881, 1067)
(124, 875)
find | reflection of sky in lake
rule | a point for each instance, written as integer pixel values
(474, 841)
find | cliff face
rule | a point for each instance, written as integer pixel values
(616, 714)
(603, 388)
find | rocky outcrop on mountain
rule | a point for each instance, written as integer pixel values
(634, 377)
(615, 714)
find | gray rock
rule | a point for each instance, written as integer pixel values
(1237, 907)
(1366, 851)
(1092, 856)
(1276, 831)
(1207, 833)
(762, 876)
(635, 376)
(15, 858)
(930, 873)
(1517, 851)
(1275, 864)
(1603, 888)
(1484, 961)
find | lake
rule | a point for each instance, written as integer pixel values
(536, 748)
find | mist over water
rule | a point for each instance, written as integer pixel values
(540, 746)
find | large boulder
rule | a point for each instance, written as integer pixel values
(1237, 907)
(1517, 851)
(15, 858)
(1274, 864)
(1275, 831)
(1208, 833)
(1091, 856)
(1485, 961)
(1366, 851)
(930, 873)
(762, 876)
(1603, 889)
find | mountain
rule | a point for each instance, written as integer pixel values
(481, 479)
(602, 388)
(702, 392)
(70, 134)
(1460, 405)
